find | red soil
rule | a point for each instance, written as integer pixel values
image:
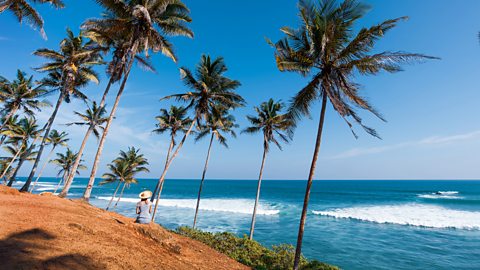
(47, 232)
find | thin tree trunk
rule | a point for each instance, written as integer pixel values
(162, 177)
(252, 227)
(71, 175)
(13, 177)
(298, 251)
(60, 182)
(10, 183)
(119, 197)
(114, 194)
(44, 139)
(7, 118)
(2, 140)
(91, 181)
(43, 168)
(159, 186)
(203, 179)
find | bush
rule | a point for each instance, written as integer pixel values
(252, 253)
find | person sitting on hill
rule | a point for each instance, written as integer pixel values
(144, 208)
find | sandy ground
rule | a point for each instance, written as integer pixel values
(46, 232)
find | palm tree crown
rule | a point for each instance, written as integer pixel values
(24, 11)
(219, 123)
(65, 162)
(125, 167)
(173, 120)
(270, 122)
(94, 117)
(56, 138)
(325, 48)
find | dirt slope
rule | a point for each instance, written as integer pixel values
(46, 232)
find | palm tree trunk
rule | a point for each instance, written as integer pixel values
(114, 194)
(298, 251)
(71, 175)
(43, 168)
(162, 177)
(159, 186)
(9, 115)
(10, 183)
(91, 181)
(201, 182)
(60, 182)
(119, 197)
(14, 175)
(44, 140)
(252, 227)
(2, 140)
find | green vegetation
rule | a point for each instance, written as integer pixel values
(252, 253)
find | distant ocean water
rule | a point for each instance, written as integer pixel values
(352, 224)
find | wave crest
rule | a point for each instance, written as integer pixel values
(410, 214)
(241, 206)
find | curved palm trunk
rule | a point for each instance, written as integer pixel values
(298, 251)
(2, 140)
(60, 182)
(162, 177)
(13, 177)
(43, 168)
(159, 186)
(44, 140)
(120, 197)
(10, 183)
(91, 181)
(114, 194)
(252, 226)
(71, 175)
(201, 182)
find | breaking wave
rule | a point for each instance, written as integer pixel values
(441, 195)
(410, 214)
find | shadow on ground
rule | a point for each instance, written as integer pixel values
(22, 251)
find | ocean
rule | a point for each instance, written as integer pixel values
(352, 224)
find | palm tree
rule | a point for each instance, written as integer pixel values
(135, 26)
(174, 120)
(26, 129)
(210, 87)
(94, 118)
(69, 69)
(24, 11)
(54, 139)
(123, 170)
(218, 123)
(325, 49)
(65, 162)
(271, 123)
(22, 95)
(27, 153)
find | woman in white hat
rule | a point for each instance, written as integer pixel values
(144, 208)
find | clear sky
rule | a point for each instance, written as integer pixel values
(432, 132)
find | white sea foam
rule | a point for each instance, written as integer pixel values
(452, 195)
(410, 214)
(241, 206)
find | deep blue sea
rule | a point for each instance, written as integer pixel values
(352, 224)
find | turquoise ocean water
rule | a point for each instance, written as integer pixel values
(352, 224)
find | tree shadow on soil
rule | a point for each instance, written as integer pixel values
(21, 251)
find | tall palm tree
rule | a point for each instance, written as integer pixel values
(123, 170)
(21, 94)
(144, 25)
(326, 49)
(94, 118)
(174, 120)
(70, 69)
(27, 153)
(65, 162)
(54, 139)
(24, 11)
(210, 87)
(20, 135)
(218, 123)
(271, 123)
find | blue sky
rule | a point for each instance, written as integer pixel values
(432, 132)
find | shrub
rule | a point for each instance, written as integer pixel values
(252, 253)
